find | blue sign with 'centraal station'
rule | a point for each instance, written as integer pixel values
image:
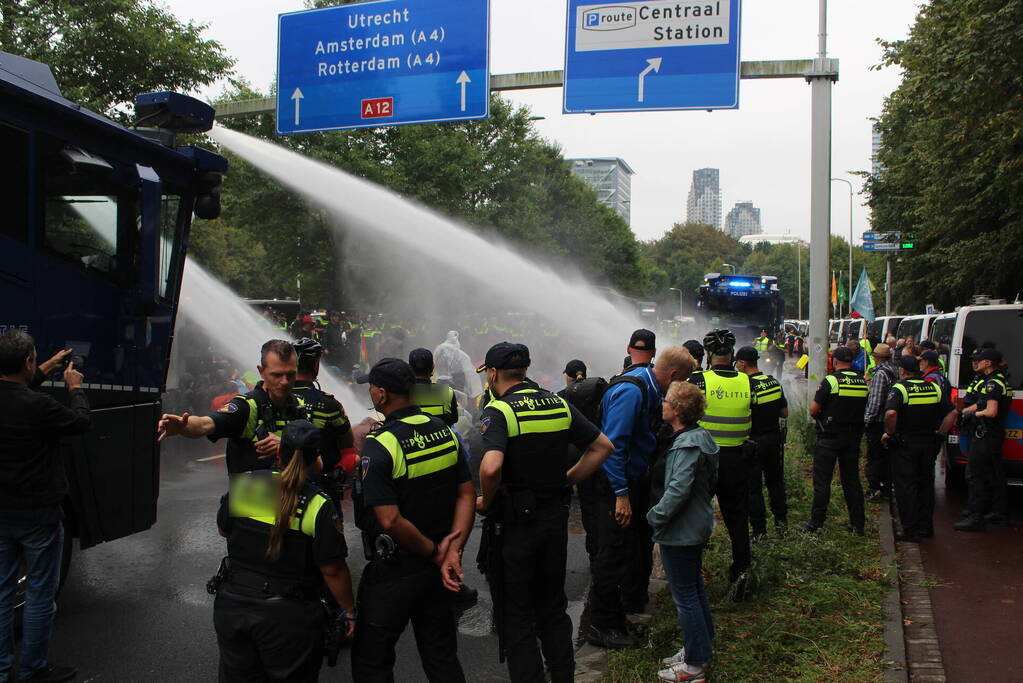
(383, 63)
(652, 55)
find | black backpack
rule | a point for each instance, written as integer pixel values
(585, 396)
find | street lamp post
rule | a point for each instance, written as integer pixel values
(849, 293)
(680, 312)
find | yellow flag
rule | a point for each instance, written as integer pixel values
(801, 363)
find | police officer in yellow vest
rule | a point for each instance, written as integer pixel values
(252, 422)
(284, 543)
(762, 343)
(767, 467)
(415, 504)
(728, 418)
(525, 479)
(917, 413)
(984, 412)
(438, 400)
(838, 408)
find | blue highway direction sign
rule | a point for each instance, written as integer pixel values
(651, 55)
(383, 63)
(880, 236)
(881, 246)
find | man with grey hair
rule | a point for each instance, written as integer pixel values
(32, 487)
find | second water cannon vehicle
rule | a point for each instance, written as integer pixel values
(746, 304)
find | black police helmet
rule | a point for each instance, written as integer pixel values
(308, 348)
(719, 342)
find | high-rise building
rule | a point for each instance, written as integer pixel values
(875, 149)
(743, 219)
(704, 205)
(611, 177)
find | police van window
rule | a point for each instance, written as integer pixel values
(911, 327)
(874, 329)
(170, 219)
(14, 189)
(1004, 328)
(84, 207)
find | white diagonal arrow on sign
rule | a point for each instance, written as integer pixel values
(463, 80)
(297, 96)
(652, 65)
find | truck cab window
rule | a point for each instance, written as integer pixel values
(85, 207)
(14, 189)
(170, 220)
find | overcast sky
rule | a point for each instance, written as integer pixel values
(763, 149)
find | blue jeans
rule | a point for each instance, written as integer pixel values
(40, 548)
(682, 564)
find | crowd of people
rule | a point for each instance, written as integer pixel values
(644, 451)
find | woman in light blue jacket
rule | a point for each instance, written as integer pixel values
(682, 522)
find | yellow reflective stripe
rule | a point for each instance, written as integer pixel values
(902, 390)
(432, 409)
(434, 464)
(308, 524)
(253, 421)
(390, 443)
(545, 426)
(509, 416)
(833, 383)
(415, 455)
(551, 411)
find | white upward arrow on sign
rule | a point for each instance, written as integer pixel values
(463, 80)
(653, 65)
(297, 96)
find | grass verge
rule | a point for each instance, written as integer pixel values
(816, 609)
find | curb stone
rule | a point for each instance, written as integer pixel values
(922, 651)
(894, 632)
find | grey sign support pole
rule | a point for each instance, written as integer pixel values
(888, 286)
(820, 205)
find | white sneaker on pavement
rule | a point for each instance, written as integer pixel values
(683, 673)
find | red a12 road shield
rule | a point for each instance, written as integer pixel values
(378, 108)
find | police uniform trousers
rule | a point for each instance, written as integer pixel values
(621, 569)
(590, 507)
(768, 468)
(535, 553)
(733, 499)
(844, 448)
(392, 593)
(879, 463)
(913, 480)
(260, 640)
(985, 476)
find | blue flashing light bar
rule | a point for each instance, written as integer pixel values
(740, 283)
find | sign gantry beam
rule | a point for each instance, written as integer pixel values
(785, 68)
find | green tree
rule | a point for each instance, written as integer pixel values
(952, 168)
(105, 52)
(685, 253)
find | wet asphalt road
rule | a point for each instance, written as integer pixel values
(978, 604)
(136, 609)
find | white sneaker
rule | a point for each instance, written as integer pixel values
(677, 658)
(683, 673)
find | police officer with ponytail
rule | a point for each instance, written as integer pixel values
(415, 504)
(838, 408)
(917, 412)
(284, 542)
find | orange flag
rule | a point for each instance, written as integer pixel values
(834, 290)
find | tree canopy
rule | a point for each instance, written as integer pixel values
(951, 144)
(105, 52)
